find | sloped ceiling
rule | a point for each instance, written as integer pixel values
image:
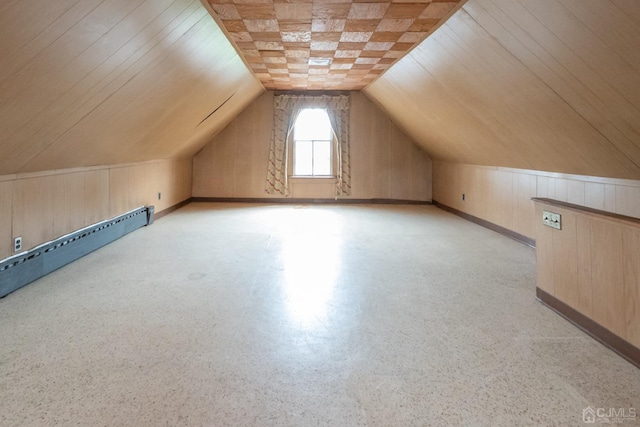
(93, 82)
(550, 85)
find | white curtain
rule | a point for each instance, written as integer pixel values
(286, 111)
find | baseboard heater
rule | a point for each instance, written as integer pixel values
(23, 268)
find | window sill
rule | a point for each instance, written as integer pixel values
(310, 177)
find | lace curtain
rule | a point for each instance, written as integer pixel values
(286, 110)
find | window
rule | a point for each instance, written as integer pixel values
(312, 143)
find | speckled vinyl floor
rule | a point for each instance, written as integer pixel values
(257, 315)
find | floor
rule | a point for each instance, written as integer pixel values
(258, 315)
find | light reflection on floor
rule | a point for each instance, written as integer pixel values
(311, 260)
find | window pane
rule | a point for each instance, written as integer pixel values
(303, 155)
(322, 158)
(312, 123)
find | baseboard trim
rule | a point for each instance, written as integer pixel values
(171, 209)
(491, 226)
(21, 269)
(307, 201)
(619, 345)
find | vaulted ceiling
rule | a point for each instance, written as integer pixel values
(550, 85)
(320, 44)
(95, 82)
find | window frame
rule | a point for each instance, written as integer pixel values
(332, 156)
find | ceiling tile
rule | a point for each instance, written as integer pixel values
(256, 11)
(404, 10)
(386, 36)
(261, 25)
(331, 11)
(395, 25)
(296, 36)
(367, 10)
(326, 44)
(293, 11)
(356, 36)
(315, 45)
(327, 25)
(226, 11)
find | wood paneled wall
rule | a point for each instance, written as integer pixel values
(385, 163)
(592, 265)
(45, 205)
(549, 85)
(503, 195)
(100, 82)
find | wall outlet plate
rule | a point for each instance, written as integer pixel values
(551, 219)
(17, 244)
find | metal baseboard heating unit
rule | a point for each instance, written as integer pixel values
(23, 268)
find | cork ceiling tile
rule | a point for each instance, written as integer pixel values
(437, 10)
(361, 25)
(355, 36)
(267, 37)
(327, 44)
(328, 25)
(404, 10)
(293, 11)
(293, 26)
(386, 36)
(261, 25)
(296, 36)
(367, 10)
(256, 11)
(226, 11)
(395, 25)
(331, 11)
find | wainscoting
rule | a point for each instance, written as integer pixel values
(503, 196)
(45, 205)
(592, 264)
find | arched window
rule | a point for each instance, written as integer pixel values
(327, 153)
(312, 136)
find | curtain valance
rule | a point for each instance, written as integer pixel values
(294, 102)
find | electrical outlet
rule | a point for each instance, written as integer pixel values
(159, 195)
(17, 244)
(551, 219)
(464, 197)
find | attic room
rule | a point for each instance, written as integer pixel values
(312, 212)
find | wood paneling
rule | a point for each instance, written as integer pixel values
(6, 218)
(174, 181)
(96, 191)
(591, 265)
(314, 189)
(543, 85)
(45, 205)
(33, 210)
(565, 267)
(503, 195)
(385, 163)
(546, 278)
(69, 199)
(231, 165)
(113, 81)
(607, 275)
(583, 297)
(631, 251)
